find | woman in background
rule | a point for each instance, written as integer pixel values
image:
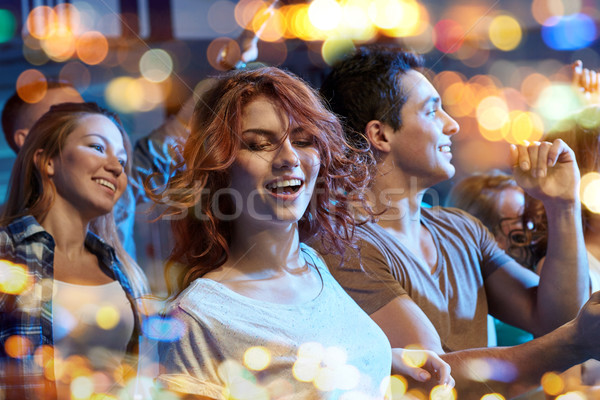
(266, 169)
(74, 313)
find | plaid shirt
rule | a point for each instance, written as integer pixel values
(29, 314)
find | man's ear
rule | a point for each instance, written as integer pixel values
(49, 164)
(377, 134)
(19, 137)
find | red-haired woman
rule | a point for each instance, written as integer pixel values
(75, 312)
(266, 168)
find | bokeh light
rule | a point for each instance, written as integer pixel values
(107, 317)
(257, 358)
(156, 65)
(7, 26)
(123, 94)
(442, 392)
(569, 32)
(77, 74)
(82, 387)
(221, 18)
(449, 35)
(505, 32)
(31, 86)
(552, 383)
(394, 388)
(334, 49)
(223, 53)
(41, 22)
(410, 19)
(576, 395)
(493, 396)
(590, 191)
(92, 47)
(557, 101)
(17, 346)
(14, 278)
(325, 14)
(165, 329)
(414, 357)
(60, 45)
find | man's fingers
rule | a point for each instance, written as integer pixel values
(542, 159)
(577, 71)
(523, 160)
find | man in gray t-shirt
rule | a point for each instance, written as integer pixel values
(427, 276)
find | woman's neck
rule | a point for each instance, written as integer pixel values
(265, 252)
(68, 228)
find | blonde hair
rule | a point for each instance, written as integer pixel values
(32, 191)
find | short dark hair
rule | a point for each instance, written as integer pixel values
(366, 86)
(14, 110)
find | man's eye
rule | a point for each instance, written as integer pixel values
(123, 163)
(98, 147)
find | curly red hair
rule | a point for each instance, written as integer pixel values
(201, 238)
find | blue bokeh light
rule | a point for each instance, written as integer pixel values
(570, 32)
(164, 329)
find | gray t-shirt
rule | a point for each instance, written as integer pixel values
(453, 297)
(318, 350)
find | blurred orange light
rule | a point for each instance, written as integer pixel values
(17, 346)
(41, 22)
(68, 16)
(60, 45)
(552, 383)
(269, 26)
(245, 11)
(532, 86)
(92, 47)
(31, 86)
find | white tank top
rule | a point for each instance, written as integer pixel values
(95, 322)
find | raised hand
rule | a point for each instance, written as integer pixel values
(546, 171)
(586, 82)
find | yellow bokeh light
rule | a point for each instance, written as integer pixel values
(17, 346)
(414, 357)
(257, 358)
(396, 388)
(409, 21)
(156, 65)
(124, 94)
(386, 14)
(107, 317)
(505, 32)
(68, 15)
(325, 14)
(492, 396)
(442, 392)
(334, 49)
(269, 25)
(92, 47)
(572, 396)
(525, 126)
(492, 113)
(14, 278)
(353, 24)
(82, 387)
(590, 191)
(552, 383)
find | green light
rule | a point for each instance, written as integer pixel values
(7, 25)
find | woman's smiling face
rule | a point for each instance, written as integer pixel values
(275, 171)
(89, 172)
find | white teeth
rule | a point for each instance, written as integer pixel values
(279, 184)
(445, 149)
(106, 183)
